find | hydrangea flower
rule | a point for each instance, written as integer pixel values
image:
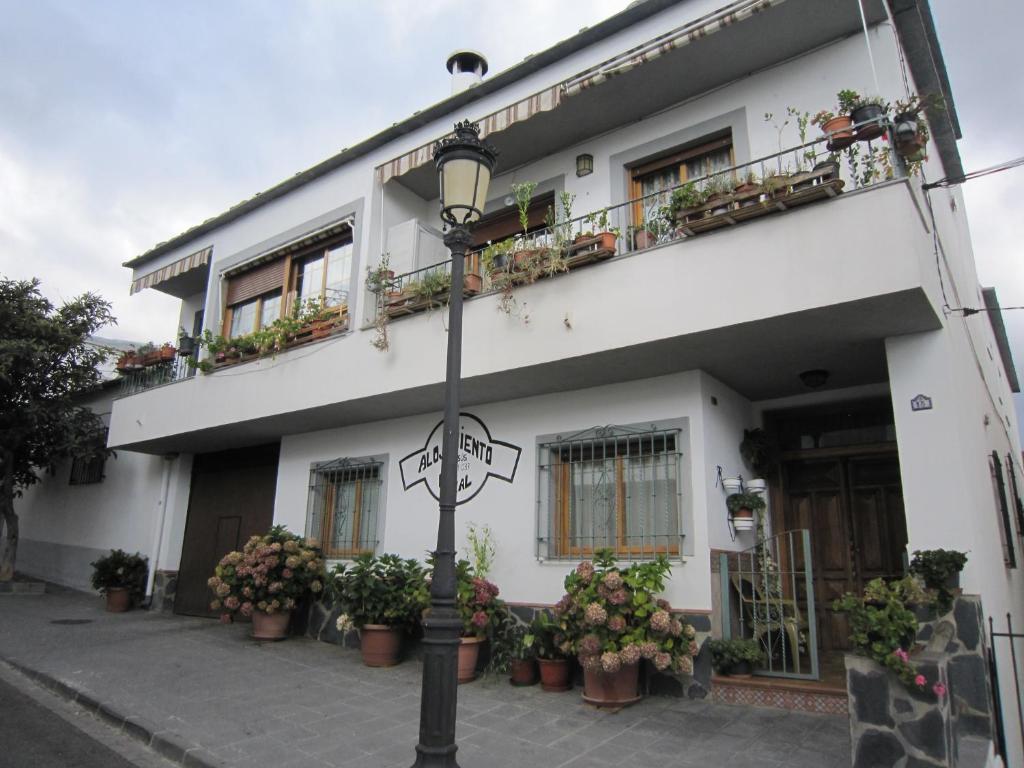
(343, 623)
(215, 605)
(616, 623)
(662, 661)
(613, 580)
(618, 597)
(479, 619)
(675, 628)
(920, 681)
(660, 621)
(231, 603)
(939, 690)
(592, 662)
(246, 609)
(685, 665)
(595, 614)
(630, 654)
(590, 645)
(610, 662)
(585, 571)
(690, 632)
(648, 649)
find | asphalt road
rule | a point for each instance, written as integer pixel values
(36, 736)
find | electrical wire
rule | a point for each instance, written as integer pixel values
(950, 181)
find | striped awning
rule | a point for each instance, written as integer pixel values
(551, 98)
(544, 101)
(197, 259)
(670, 41)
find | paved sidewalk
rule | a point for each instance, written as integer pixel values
(205, 694)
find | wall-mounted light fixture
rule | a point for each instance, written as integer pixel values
(584, 165)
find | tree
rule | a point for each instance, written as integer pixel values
(46, 365)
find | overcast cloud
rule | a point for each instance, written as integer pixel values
(124, 122)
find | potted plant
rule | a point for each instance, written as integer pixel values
(166, 352)
(838, 129)
(608, 234)
(478, 605)
(522, 664)
(940, 569)
(121, 578)
(548, 642)
(749, 190)
(685, 203)
(759, 450)
(742, 507)
(266, 580)
(643, 235)
(736, 657)
(910, 131)
(380, 278)
(867, 113)
(186, 344)
(382, 597)
(612, 619)
(732, 485)
(718, 190)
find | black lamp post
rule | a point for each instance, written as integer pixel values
(464, 165)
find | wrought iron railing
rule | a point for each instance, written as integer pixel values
(141, 379)
(768, 596)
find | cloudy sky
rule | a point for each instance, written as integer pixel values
(123, 122)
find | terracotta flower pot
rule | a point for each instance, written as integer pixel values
(381, 645)
(472, 283)
(554, 675)
(270, 626)
(469, 652)
(616, 689)
(119, 599)
(839, 132)
(607, 241)
(523, 672)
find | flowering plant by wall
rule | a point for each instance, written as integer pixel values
(478, 603)
(379, 590)
(271, 573)
(612, 616)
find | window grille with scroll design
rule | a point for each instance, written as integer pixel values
(344, 505)
(610, 487)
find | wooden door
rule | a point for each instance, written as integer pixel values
(853, 507)
(231, 499)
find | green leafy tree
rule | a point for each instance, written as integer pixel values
(46, 364)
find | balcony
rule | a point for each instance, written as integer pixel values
(816, 274)
(728, 198)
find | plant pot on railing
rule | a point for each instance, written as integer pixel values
(166, 353)
(643, 239)
(472, 284)
(827, 170)
(186, 346)
(868, 119)
(743, 519)
(839, 131)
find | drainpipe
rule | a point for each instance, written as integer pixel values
(154, 550)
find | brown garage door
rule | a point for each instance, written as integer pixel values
(232, 498)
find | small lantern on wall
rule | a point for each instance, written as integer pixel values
(584, 165)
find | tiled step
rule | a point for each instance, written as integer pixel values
(801, 695)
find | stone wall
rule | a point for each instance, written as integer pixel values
(891, 724)
(165, 586)
(322, 618)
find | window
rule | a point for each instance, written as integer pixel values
(502, 224)
(663, 174)
(615, 487)
(1018, 506)
(324, 275)
(86, 470)
(999, 489)
(344, 498)
(260, 295)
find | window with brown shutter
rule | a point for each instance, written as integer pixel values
(505, 223)
(256, 282)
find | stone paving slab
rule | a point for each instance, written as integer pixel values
(205, 694)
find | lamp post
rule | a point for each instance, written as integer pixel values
(464, 165)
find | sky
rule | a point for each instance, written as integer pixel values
(122, 123)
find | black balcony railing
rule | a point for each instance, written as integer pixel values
(141, 379)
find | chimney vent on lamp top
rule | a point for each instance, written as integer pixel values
(468, 68)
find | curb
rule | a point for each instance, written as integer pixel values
(168, 744)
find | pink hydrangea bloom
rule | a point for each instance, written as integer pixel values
(595, 614)
(618, 597)
(663, 604)
(648, 650)
(215, 605)
(246, 609)
(590, 645)
(630, 654)
(662, 661)
(660, 621)
(479, 619)
(693, 649)
(684, 664)
(231, 603)
(675, 628)
(613, 580)
(591, 662)
(610, 662)
(939, 690)
(585, 571)
(616, 623)
(900, 654)
(920, 681)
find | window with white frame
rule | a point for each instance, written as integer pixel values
(610, 487)
(343, 511)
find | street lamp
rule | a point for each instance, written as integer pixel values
(464, 165)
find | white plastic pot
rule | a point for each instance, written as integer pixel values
(743, 523)
(757, 485)
(731, 485)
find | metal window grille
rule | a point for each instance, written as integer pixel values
(86, 470)
(1018, 506)
(1005, 532)
(344, 500)
(610, 487)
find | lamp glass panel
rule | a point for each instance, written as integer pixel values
(459, 184)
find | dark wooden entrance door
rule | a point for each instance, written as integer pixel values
(853, 506)
(232, 498)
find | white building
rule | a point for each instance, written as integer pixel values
(626, 383)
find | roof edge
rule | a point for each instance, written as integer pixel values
(995, 317)
(633, 14)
